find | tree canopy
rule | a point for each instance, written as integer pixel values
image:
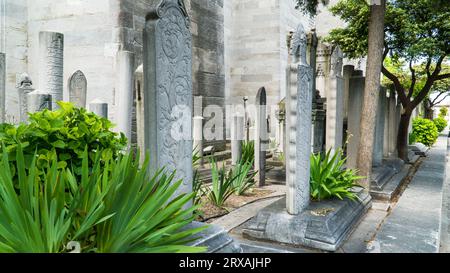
(309, 6)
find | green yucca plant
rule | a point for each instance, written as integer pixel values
(248, 151)
(222, 184)
(329, 178)
(245, 180)
(116, 207)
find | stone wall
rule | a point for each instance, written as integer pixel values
(13, 28)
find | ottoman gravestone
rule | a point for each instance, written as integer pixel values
(237, 136)
(51, 65)
(99, 108)
(25, 86)
(296, 220)
(78, 89)
(124, 94)
(168, 103)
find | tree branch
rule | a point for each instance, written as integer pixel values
(437, 97)
(443, 76)
(413, 80)
(398, 86)
(431, 78)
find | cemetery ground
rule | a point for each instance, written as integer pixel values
(420, 207)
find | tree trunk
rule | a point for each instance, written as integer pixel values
(403, 137)
(371, 92)
(428, 110)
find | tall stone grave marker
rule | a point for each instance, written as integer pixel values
(378, 146)
(356, 95)
(168, 104)
(198, 137)
(168, 90)
(299, 116)
(2, 87)
(237, 136)
(51, 65)
(78, 89)
(124, 93)
(261, 136)
(25, 87)
(335, 102)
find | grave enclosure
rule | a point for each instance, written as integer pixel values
(322, 109)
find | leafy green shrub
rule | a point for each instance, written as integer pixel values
(329, 179)
(222, 184)
(425, 131)
(441, 124)
(412, 138)
(443, 112)
(115, 207)
(63, 134)
(244, 179)
(248, 151)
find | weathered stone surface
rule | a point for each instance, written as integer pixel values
(99, 108)
(237, 137)
(299, 116)
(391, 188)
(324, 225)
(38, 101)
(356, 95)
(419, 149)
(168, 91)
(51, 61)
(216, 239)
(78, 89)
(378, 147)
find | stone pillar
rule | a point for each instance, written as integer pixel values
(99, 108)
(78, 89)
(392, 125)
(237, 136)
(51, 65)
(323, 68)
(25, 87)
(38, 101)
(124, 92)
(2, 87)
(168, 91)
(261, 136)
(335, 103)
(356, 96)
(313, 42)
(299, 114)
(318, 124)
(347, 74)
(198, 137)
(378, 146)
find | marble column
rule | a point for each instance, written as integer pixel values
(51, 65)
(299, 114)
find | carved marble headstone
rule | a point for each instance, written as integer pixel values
(335, 102)
(51, 65)
(299, 115)
(24, 88)
(78, 89)
(168, 90)
(2, 87)
(261, 136)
